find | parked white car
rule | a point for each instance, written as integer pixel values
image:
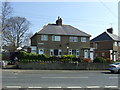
(115, 67)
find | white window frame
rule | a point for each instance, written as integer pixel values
(83, 39)
(103, 54)
(70, 51)
(59, 52)
(33, 49)
(115, 43)
(44, 37)
(73, 39)
(56, 38)
(77, 52)
(96, 45)
(51, 52)
(41, 49)
(118, 43)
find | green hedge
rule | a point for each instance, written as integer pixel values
(31, 57)
(99, 60)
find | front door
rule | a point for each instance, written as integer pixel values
(86, 53)
(56, 52)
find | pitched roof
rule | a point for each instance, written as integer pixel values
(114, 37)
(106, 36)
(61, 30)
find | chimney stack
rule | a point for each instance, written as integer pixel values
(110, 30)
(59, 21)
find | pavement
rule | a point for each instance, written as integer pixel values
(59, 79)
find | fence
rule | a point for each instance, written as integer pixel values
(63, 66)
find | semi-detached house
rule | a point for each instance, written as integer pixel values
(59, 39)
(106, 45)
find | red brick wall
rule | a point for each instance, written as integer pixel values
(100, 54)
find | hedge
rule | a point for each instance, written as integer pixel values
(31, 57)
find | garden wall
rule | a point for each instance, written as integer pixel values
(63, 66)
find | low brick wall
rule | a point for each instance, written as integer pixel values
(63, 66)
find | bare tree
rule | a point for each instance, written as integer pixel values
(13, 29)
(6, 14)
(27, 41)
(14, 33)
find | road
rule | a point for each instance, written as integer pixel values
(58, 79)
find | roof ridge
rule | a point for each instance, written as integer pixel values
(42, 28)
(62, 30)
(81, 31)
(111, 35)
(97, 36)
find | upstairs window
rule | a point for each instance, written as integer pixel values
(115, 43)
(56, 38)
(96, 45)
(44, 37)
(73, 39)
(83, 39)
(118, 43)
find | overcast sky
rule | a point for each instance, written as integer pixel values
(90, 17)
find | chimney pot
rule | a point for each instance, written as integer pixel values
(59, 21)
(110, 30)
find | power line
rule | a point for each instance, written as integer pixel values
(108, 9)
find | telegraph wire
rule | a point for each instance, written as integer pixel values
(108, 9)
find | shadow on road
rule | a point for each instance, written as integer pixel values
(108, 73)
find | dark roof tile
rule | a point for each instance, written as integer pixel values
(62, 30)
(106, 36)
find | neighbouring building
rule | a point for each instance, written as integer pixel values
(59, 39)
(106, 45)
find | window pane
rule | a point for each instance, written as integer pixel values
(51, 52)
(73, 39)
(44, 37)
(115, 43)
(83, 39)
(119, 43)
(56, 38)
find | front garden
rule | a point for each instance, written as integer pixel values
(25, 57)
(65, 62)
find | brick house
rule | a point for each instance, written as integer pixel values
(106, 45)
(59, 39)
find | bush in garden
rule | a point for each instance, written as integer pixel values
(42, 57)
(86, 60)
(23, 55)
(67, 58)
(76, 59)
(54, 58)
(108, 60)
(99, 60)
(33, 56)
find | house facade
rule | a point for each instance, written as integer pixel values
(106, 45)
(58, 39)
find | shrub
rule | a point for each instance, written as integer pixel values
(54, 58)
(42, 57)
(108, 60)
(23, 55)
(67, 58)
(99, 60)
(87, 60)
